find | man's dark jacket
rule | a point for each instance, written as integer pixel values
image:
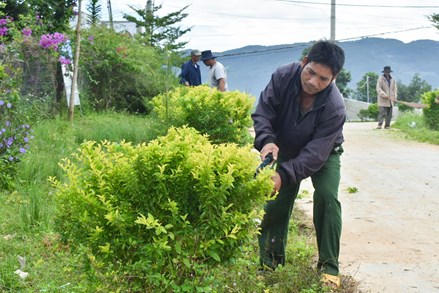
(191, 73)
(305, 141)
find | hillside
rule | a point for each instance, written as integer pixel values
(249, 68)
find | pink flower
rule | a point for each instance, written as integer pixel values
(52, 41)
(26, 31)
(65, 61)
(3, 31)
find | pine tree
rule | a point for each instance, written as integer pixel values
(160, 32)
(94, 9)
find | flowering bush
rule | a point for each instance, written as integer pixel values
(14, 140)
(35, 57)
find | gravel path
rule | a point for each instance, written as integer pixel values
(390, 239)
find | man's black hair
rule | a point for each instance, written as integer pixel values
(329, 54)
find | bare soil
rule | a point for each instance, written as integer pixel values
(390, 238)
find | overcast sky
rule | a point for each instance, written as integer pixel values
(230, 24)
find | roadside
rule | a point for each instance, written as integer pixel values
(390, 239)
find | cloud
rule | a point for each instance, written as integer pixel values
(230, 24)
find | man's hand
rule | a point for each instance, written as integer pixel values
(277, 182)
(274, 150)
(269, 148)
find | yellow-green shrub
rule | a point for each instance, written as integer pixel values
(431, 113)
(156, 217)
(224, 116)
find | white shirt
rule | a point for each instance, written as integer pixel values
(216, 72)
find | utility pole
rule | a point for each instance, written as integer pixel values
(149, 16)
(110, 14)
(367, 88)
(332, 38)
(149, 6)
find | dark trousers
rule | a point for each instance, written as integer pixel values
(326, 218)
(384, 112)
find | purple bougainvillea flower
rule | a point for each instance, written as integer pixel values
(26, 31)
(65, 61)
(52, 40)
(3, 31)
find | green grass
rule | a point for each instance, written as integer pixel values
(414, 128)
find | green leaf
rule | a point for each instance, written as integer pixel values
(215, 256)
(187, 263)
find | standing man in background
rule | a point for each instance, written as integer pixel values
(190, 71)
(299, 120)
(217, 71)
(387, 95)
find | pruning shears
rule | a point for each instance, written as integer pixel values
(267, 161)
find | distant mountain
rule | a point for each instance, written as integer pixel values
(249, 68)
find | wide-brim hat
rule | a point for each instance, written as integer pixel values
(207, 55)
(387, 69)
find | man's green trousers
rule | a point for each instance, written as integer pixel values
(326, 218)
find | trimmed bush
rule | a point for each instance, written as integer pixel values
(156, 217)
(223, 116)
(370, 113)
(431, 113)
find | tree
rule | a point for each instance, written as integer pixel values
(55, 14)
(343, 78)
(434, 18)
(367, 82)
(160, 32)
(94, 9)
(413, 92)
(416, 88)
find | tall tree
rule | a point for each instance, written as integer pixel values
(415, 89)
(94, 10)
(160, 32)
(343, 78)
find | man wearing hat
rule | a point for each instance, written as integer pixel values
(217, 72)
(190, 71)
(387, 93)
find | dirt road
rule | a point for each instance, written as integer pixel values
(390, 239)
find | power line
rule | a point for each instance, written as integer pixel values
(305, 45)
(360, 5)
